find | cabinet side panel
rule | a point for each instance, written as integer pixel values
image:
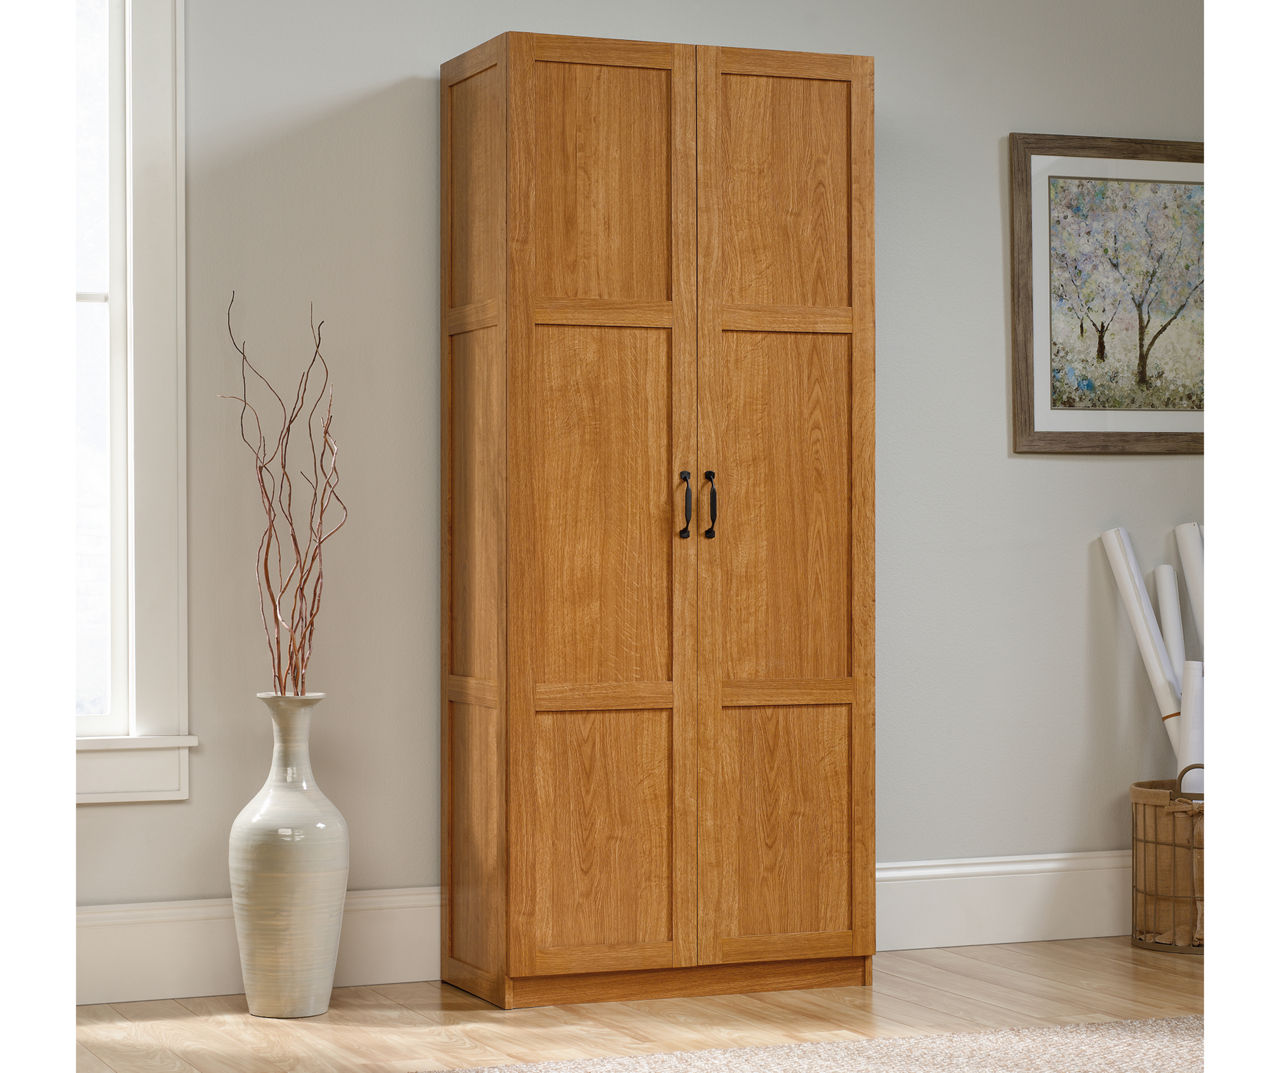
(475, 460)
(478, 216)
(473, 544)
(862, 278)
(476, 761)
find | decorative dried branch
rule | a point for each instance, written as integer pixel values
(290, 557)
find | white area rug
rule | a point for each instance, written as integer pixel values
(1173, 1045)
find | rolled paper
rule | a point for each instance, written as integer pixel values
(1170, 614)
(1190, 538)
(1133, 594)
(1173, 728)
(1192, 720)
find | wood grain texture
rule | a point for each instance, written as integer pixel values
(472, 62)
(523, 616)
(467, 318)
(602, 352)
(592, 450)
(1027, 439)
(786, 420)
(776, 869)
(574, 696)
(786, 945)
(684, 281)
(473, 510)
(780, 64)
(475, 846)
(475, 161)
(475, 522)
(105, 1040)
(404, 1028)
(602, 52)
(602, 138)
(603, 827)
(774, 421)
(783, 190)
(754, 693)
(603, 311)
(780, 318)
(482, 692)
(691, 980)
(862, 485)
(88, 1062)
(684, 553)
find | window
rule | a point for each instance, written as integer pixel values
(102, 700)
(131, 688)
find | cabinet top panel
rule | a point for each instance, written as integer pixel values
(568, 48)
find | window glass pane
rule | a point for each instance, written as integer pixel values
(93, 509)
(93, 145)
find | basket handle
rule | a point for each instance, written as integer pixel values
(1183, 772)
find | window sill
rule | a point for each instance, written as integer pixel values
(149, 767)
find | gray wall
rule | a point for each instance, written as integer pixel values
(1012, 707)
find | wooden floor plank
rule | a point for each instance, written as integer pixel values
(871, 1012)
(405, 1028)
(511, 1034)
(1084, 994)
(968, 1010)
(950, 971)
(88, 1062)
(751, 1020)
(216, 1044)
(1172, 997)
(122, 1046)
(1120, 951)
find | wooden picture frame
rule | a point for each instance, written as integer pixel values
(1041, 168)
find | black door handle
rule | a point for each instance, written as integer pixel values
(688, 503)
(710, 534)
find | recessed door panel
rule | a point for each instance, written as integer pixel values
(779, 786)
(604, 830)
(603, 181)
(785, 160)
(775, 420)
(599, 404)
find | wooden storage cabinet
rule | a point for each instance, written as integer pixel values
(657, 750)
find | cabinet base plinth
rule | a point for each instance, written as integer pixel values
(514, 992)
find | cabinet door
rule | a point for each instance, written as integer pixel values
(785, 410)
(602, 411)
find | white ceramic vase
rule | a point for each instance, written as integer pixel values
(288, 858)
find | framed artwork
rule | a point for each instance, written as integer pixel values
(1108, 295)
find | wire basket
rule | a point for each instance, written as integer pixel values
(1168, 866)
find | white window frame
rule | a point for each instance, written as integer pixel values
(150, 763)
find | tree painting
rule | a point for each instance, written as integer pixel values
(1126, 282)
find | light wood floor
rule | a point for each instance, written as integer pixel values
(404, 1028)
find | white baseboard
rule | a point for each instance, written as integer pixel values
(980, 900)
(126, 953)
(153, 950)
